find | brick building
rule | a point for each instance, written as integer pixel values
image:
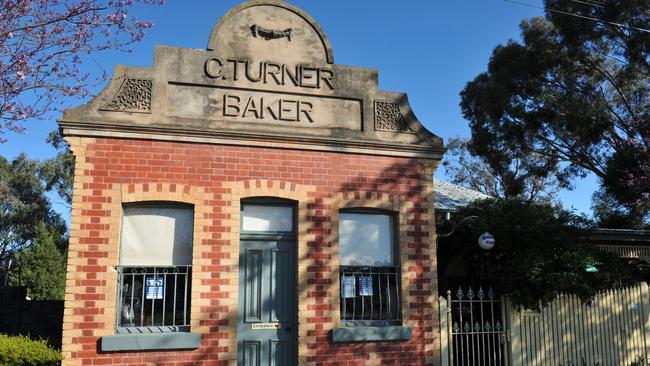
(251, 203)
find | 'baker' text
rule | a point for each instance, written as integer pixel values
(255, 107)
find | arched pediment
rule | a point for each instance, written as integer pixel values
(258, 28)
(267, 78)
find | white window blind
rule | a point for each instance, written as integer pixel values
(366, 239)
(157, 236)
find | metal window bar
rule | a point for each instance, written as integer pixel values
(370, 294)
(154, 296)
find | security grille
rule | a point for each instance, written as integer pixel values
(154, 297)
(476, 328)
(370, 294)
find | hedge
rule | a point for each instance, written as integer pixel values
(21, 350)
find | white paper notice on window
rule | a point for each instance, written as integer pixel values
(365, 285)
(348, 289)
(155, 288)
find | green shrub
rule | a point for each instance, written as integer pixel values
(539, 252)
(20, 350)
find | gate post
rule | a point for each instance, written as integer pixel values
(513, 343)
(444, 331)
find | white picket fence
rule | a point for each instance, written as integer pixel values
(613, 330)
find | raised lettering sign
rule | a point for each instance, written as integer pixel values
(234, 104)
(267, 72)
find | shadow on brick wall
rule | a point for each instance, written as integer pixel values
(38, 319)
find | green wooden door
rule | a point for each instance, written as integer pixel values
(267, 303)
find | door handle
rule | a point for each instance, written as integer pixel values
(287, 329)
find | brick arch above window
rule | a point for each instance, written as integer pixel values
(370, 200)
(404, 214)
(247, 189)
(270, 188)
(171, 192)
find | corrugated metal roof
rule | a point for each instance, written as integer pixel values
(451, 197)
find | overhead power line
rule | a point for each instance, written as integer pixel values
(579, 16)
(589, 3)
(595, 4)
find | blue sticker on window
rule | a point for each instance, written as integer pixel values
(349, 288)
(154, 287)
(365, 285)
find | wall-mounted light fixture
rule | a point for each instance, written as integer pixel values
(485, 241)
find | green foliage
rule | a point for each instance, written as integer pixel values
(537, 255)
(23, 205)
(42, 267)
(58, 172)
(627, 178)
(472, 171)
(33, 235)
(574, 95)
(610, 213)
(22, 351)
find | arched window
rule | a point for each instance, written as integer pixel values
(155, 266)
(370, 269)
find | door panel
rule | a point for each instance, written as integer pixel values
(252, 353)
(279, 292)
(253, 291)
(278, 349)
(267, 303)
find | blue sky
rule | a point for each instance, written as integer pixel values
(428, 49)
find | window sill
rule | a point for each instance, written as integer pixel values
(369, 334)
(150, 341)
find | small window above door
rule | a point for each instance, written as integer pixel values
(267, 218)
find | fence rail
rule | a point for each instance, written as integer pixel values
(613, 330)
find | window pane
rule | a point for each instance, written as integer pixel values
(157, 236)
(267, 218)
(366, 239)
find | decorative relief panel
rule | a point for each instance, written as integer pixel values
(268, 34)
(134, 95)
(389, 118)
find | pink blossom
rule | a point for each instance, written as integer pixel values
(41, 43)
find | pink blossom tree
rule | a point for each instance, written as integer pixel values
(43, 44)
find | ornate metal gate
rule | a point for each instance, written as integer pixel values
(476, 328)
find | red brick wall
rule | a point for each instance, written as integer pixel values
(107, 166)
